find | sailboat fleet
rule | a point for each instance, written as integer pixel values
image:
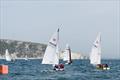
(9, 57)
(52, 53)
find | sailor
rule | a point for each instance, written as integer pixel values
(61, 66)
(99, 66)
(56, 67)
(105, 65)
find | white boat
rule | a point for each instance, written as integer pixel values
(95, 55)
(13, 56)
(26, 58)
(7, 55)
(67, 55)
(51, 55)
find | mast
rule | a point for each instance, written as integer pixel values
(70, 55)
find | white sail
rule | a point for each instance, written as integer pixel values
(13, 56)
(67, 53)
(51, 53)
(95, 56)
(7, 55)
(26, 58)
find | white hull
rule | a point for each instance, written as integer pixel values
(108, 68)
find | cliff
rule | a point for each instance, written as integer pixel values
(22, 48)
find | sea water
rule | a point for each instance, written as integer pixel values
(78, 70)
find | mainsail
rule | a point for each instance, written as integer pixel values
(95, 56)
(13, 56)
(51, 53)
(7, 55)
(67, 54)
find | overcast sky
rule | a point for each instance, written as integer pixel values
(80, 21)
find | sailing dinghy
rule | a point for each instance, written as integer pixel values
(26, 58)
(7, 55)
(13, 56)
(51, 55)
(95, 55)
(67, 54)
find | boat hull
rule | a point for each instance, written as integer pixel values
(102, 67)
(59, 67)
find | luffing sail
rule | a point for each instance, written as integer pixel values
(95, 56)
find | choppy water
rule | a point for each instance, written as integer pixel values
(79, 70)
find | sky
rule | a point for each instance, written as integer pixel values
(79, 20)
